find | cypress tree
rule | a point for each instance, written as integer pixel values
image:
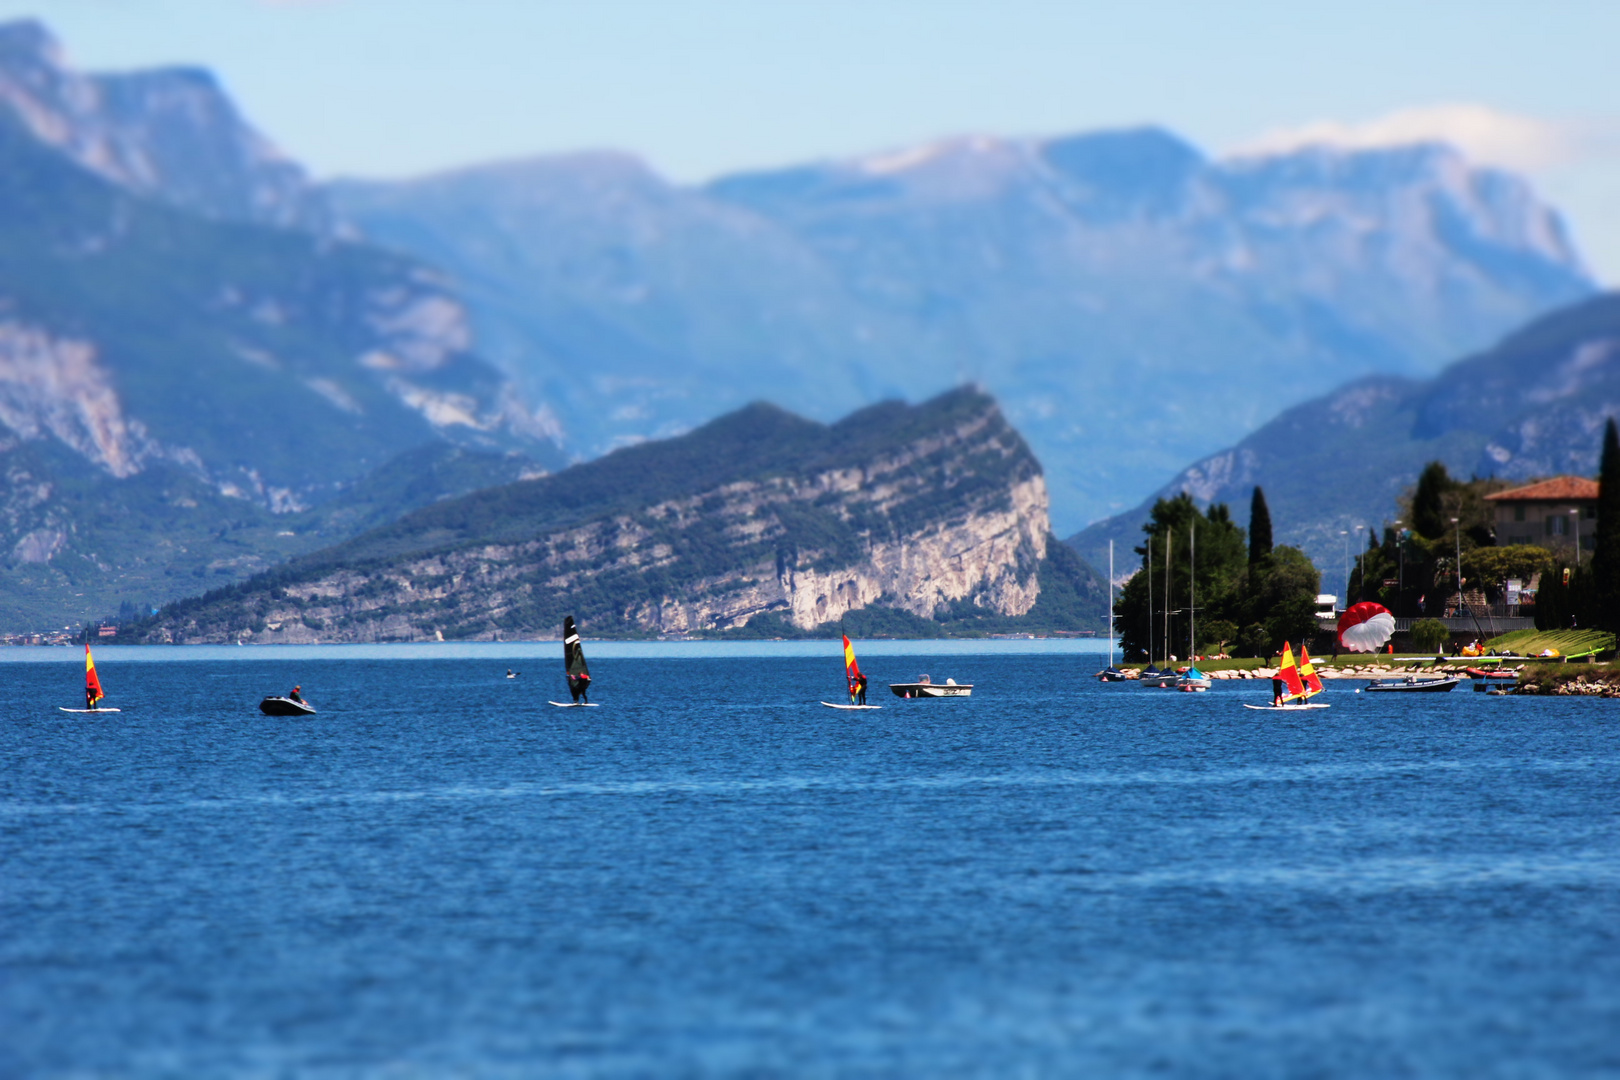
(1606, 544)
(1428, 506)
(1259, 527)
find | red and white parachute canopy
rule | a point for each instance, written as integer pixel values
(1364, 627)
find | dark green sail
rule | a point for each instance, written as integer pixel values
(573, 653)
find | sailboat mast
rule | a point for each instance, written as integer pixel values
(1110, 603)
(1150, 599)
(1192, 591)
(1168, 533)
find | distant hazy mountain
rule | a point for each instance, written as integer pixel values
(178, 384)
(1132, 303)
(170, 133)
(910, 519)
(1534, 405)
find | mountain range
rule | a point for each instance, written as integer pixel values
(1533, 405)
(1134, 304)
(187, 376)
(898, 518)
(210, 364)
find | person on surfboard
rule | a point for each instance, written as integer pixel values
(580, 685)
(860, 688)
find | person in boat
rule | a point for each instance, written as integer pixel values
(295, 695)
(860, 689)
(580, 685)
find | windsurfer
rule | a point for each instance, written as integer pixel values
(860, 689)
(1276, 691)
(580, 685)
(89, 698)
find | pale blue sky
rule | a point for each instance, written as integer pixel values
(387, 88)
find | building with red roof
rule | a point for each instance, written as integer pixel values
(1556, 513)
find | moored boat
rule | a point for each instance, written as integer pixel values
(1411, 684)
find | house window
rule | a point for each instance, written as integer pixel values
(1555, 525)
(1518, 513)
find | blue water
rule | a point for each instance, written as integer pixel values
(711, 874)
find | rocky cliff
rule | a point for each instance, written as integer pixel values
(936, 513)
(188, 383)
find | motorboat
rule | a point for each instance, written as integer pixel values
(1411, 684)
(285, 706)
(926, 687)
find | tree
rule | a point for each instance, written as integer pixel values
(1429, 634)
(1222, 559)
(1283, 599)
(1606, 549)
(1429, 517)
(1259, 527)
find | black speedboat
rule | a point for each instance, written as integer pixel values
(1111, 674)
(285, 706)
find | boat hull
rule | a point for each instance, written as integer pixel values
(930, 690)
(281, 706)
(1416, 686)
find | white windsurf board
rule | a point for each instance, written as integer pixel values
(89, 710)
(830, 705)
(1287, 708)
(574, 704)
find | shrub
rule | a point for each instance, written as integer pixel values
(1428, 635)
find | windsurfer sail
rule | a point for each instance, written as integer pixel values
(1307, 673)
(92, 684)
(852, 672)
(1287, 684)
(579, 676)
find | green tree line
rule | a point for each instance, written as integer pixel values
(1241, 593)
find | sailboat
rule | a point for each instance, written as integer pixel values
(852, 678)
(1153, 676)
(1111, 673)
(1296, 683)
(92, 687)
(1192, 679)
(579, 676)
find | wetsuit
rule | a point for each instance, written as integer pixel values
(579, 686)
(860, 689)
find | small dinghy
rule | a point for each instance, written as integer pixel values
(276, 705)
(92, 688)
(925, 687)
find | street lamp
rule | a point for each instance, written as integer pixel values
(1361, 565)
(1458, 527)
(1346, 604)
(1576, 515)
(1400, 577)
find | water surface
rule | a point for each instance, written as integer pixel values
(712, 874)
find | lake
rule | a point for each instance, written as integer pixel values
(711, 874)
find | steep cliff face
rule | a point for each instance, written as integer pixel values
(930, 510)
(179, 369)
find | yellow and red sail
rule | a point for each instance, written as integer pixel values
(852, 670)
(1307, 673)
(1288, 674)
(92, 685)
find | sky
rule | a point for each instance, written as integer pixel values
(393, 88)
